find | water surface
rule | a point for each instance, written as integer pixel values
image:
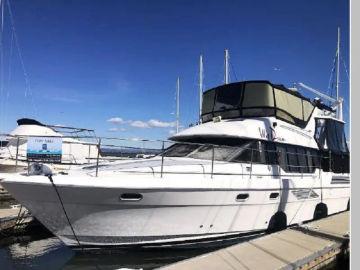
(51, 253)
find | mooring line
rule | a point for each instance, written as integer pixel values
(63, 207)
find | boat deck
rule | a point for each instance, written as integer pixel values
(309, 246)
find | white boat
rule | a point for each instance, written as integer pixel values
(74, 151)
(264, 158)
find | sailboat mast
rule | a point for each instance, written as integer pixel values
(201, 79)
(337, 64)
(339, 113)
(177, 104)
(226, 75)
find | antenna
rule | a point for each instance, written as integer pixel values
(201, 79)
(226, 75)
(339, 111)
(177, 104)
(316, 92)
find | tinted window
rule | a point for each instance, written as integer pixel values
(228, 98)
(310, 162)
(271, 153)
(208, 101)
(180, 150)
(289, 103)
(303, 164)
(307, 109)
(258, 95)
(282, 157)
(293, 162)
(251, 152)
(315, 158)
(220, 153)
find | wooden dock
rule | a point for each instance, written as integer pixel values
(11, 217)
(310, 246)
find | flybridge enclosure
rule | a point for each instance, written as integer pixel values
(65, 130)
(330, 135)
(256, 99)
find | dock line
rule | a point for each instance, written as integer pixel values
(63, 207)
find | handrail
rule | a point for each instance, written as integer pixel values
(308, 167)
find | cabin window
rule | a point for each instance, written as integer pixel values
(251, 152)
(307, 109)
(256, 99)
(285, 116)
(291, 158)
(293, 162)
(220, 153)
(271, 153)
(228, 98)
(180, 150)
(315, 158)
(208, 101)
(303, 161)
(289, 103)
(258, 95)
(311, 160)
(340, 163)
(283, 162)
(297, 158)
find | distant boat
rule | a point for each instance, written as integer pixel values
(74, 151)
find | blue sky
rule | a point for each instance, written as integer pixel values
(90, 61)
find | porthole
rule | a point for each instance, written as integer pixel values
(131, 197)
(242, 197)
(274, 195)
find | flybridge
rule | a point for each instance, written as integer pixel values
(256, 99)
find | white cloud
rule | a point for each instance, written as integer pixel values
(113, 129)
(172, 132)
(116, 120)
(139, 124)
(152, 123)
(159, 124)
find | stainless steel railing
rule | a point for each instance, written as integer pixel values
(161, 151)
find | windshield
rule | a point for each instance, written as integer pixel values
(197, 151)
(180, 150)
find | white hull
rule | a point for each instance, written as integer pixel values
(174, 209)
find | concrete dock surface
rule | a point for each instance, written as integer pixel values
(310, 246)
(10, 217)
(10, 213)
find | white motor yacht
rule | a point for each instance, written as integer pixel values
(74, 150)
(263, 158)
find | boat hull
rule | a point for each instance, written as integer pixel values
(100, 216)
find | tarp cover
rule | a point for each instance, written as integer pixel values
(256, 99)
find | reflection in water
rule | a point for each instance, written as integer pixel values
(43, 254)
(50, 253)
